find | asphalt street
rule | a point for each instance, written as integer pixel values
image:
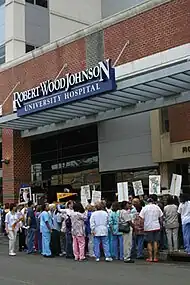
(35, 270)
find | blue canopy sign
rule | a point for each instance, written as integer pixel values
(73, 87)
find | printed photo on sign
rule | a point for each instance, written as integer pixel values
(138, 188)
(25, 195)
(86, 189)
(96, 197)
(154, 184)
(83, 197)
(175, 188)
(122, 190)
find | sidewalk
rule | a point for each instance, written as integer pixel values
(163, 256)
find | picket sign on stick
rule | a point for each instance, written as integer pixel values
(175, 188)
(85, 195)
(154, 184)
(96, 197)
(138, 188)
(123, 192)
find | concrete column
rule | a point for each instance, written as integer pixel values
(14, 29)
(164, 172)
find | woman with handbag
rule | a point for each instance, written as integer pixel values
(125, 226)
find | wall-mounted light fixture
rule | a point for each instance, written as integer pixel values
(5, 161)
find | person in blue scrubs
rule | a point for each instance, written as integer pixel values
(46, 230)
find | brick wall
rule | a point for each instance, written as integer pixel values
(44, 67)
(179, 120)
(18, 171)
(156, 30)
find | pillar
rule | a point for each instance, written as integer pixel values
(164, 172)
(17, 151)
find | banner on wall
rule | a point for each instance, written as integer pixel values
(154, 184)
(123, 192)
(138, 188)
(175, 188)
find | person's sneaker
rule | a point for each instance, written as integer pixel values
(129, 261)
(109, 259)
(12, 253)
(97, 259)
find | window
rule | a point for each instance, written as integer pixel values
(2, 54)
(30, 1)
(164, 120)
(43, 3)
(2, 2)
(30, 48)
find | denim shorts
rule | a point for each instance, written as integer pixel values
(152, 236)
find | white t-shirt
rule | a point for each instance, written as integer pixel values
(184, 210)
(151, 214)
(10, 219)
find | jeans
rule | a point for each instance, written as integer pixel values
(12, 241)
(110, 238)
(39, 237)
(186, 237)
(69, 245)
(117, 242)
(79, 247)
(90, 245)
(31, 239)
(63, 242)
(105, 244)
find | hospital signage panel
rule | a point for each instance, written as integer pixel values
(73, 87)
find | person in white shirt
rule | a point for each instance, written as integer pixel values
(151, 214)
(99, 222)
(184, 211)
(12, 225)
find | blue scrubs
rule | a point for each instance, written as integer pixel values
(46, 234)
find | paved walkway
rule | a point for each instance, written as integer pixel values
(35, 270)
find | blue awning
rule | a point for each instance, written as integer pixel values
(143, 85)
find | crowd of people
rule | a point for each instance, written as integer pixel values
(117, 231)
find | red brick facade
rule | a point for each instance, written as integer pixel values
(18, 171)
(159, 29)
(179, 120)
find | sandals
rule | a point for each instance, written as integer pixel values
(152, 260)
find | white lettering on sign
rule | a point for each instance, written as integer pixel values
(100, 72)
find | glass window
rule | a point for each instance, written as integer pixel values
(30, 1)
(43, 3)
(2, 54)
(29, 48)
(2, 2)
